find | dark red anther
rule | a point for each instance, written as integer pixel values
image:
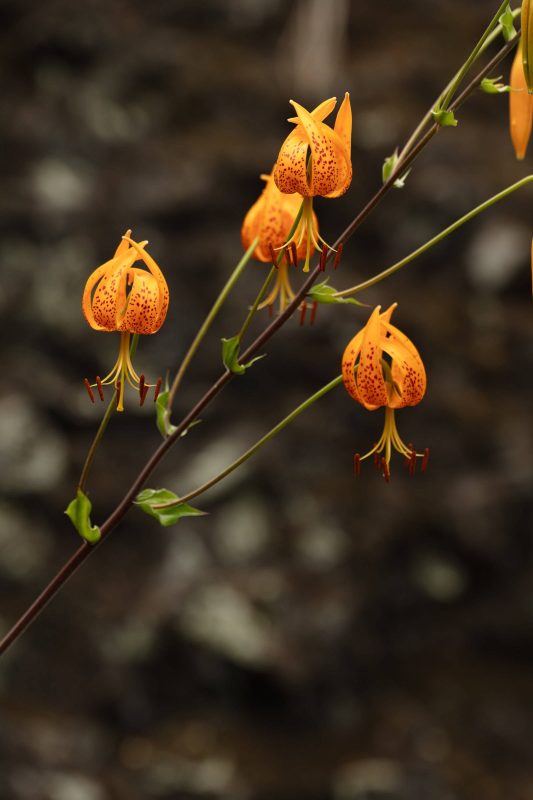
(412, 462)
(314, 309)
(338, 256)
(385, 469)
(157, 388)
(100, 388)
(377, 461)
(294, 254)
(425, 460)
(118, 392)
(143, 390)
(89, 390)
(303, 311)
(357, 464)
(270, 310)
(287, 255)
(323, 258)
(273, 256)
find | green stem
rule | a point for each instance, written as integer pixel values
(436, 239)
(247, 322)
(451, 87)
(208, 321)
(473, 55)
(266, 438)
(103, 425)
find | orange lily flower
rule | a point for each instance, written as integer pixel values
(271, 218)
(374, 382)
(328, 172)
(520, 107)
(315, 159)
(127, 299)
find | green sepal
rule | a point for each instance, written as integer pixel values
(79, 513)
(148, 498)
(506, 20)
(446, 119)
(323, 293)
(388, 168)
(491, 86)
(230, 356)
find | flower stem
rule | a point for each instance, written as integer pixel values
(208, 321)
(262, 291)
(436, 239)
(250, 452)
(451, 87)
(103, 425)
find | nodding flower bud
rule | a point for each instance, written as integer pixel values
(526, 24)
(520, 107)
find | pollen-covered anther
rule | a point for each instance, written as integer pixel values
(425, 460)
(323, 257)
(157, 388)
(89, 390)
(99, 387)
(273, 256)
(303, 311)
(143, 390)
(338, 256)
(314, 309)
(294, 254)
(357, 464)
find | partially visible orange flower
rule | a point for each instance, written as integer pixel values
(520, 107)
(271, 218)
(328, 171)
(127, 299)
(374, 381)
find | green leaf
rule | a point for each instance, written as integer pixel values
(506, 20)
(323, 293)
(164, 425)
(149, 498)
(388, 168)
(79, 513)
(445, 119)
(230, 356)
(491, 86)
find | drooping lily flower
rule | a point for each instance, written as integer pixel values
(520, 107)
(315, 159)
(328, 170)
(127, 299)
(374, 381)
(271, 218)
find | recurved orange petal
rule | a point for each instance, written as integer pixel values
(160, 279)
(143, 306)
(370, 381)
(407, 369)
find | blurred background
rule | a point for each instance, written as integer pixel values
(315, 637)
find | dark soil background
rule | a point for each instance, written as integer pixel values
(315, 637)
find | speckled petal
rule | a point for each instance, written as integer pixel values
(290, 172)
(86, 303)
(370, 380)
(325, 170)
(160, 279)
(143, 306)
(407, 369)
(109, 280)
(349, 358)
